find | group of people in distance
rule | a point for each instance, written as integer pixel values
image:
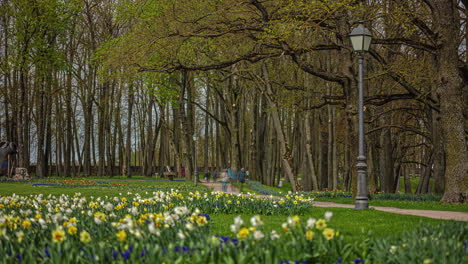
(228, 175)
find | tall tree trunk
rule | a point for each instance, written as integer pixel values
(285, 151)
(310, 156)
(451, 96)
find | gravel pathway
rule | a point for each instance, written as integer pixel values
(445, 215)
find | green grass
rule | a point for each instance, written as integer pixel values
(352, 224)
(114, 188)
(245, 188)
(428, 205)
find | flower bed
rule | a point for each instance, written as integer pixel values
(139, 185)
(159, 229)
(78, 230)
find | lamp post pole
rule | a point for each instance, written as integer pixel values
(361, 39)
(362, 201)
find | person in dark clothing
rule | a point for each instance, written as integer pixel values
(241, 178)
(207, 176)
(215, 175)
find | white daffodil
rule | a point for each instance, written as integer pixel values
(256, 221)
(274, 235)
(234, 228)
(109, 207)
(181, 235)
(328, 215)
(181, 210)
(258, 235)
(134, 210)
(189, 226)
(238, 221)
(311, 223)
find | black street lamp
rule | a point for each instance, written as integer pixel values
(195, 138)
(361, 40)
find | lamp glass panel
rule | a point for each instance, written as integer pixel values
(357, 42)
(367, 42)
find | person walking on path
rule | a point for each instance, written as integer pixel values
(215, 175)
(207, 176)
(224, 180)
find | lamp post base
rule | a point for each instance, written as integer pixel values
(361, 203)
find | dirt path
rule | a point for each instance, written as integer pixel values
(217, 187)
(444, 215)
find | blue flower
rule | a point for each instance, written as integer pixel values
(358, 260)
(339, 260)
(115, 254)
(126, 255)
(19, 258)
(46, 251)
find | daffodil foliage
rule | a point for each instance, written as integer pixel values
(165, 229)
(75, 229)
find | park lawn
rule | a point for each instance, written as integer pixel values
(245, 188)
(426, 205)
(110, 188)
(353, 225)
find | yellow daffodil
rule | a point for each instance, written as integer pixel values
(26, 224)
(58, 235)
(72, 230)
(243, 233)
(321, 224)
(85, 237)
(121, 236)
(20, 236)
(309, 235)
(201, 221)
(328, 233)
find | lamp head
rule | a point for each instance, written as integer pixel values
(361, 38)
